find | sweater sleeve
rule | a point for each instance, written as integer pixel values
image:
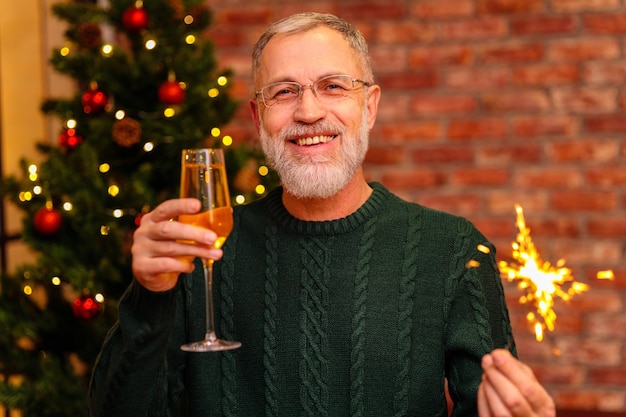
(477, 318)
(139, 369)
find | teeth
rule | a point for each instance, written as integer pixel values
(313, 140)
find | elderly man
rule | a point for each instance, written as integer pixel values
(348, 301)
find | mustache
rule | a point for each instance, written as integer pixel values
(298, 130)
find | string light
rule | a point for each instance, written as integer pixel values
(227, 140)
(215, 132)
(150, 44)
(107, 50)
(190, 39)
(169, 112)
(188, 19)
(214, 92)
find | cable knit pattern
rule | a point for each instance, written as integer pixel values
(269, 325)
(314, 326)
(405, 324)
(229, 369)
(337, 318)
(361, 282)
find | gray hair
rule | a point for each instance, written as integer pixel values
(302, 22)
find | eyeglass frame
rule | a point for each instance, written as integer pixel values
(300, 87)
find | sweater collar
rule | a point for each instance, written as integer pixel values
(330, 227)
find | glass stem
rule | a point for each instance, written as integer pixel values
(208, 284)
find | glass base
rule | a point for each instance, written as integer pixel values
(208, 345)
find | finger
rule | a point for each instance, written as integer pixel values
(523, 378)
(492, 403)
(507, 390)
(483, 403)
(170, 209)
(150, 233)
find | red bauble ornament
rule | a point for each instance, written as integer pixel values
(47, 221)
(69, 140)
(171, 93)
(135, 18)
(94, 101)
(86, 307)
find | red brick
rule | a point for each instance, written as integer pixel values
(584, 200)
(585, 100)
(442, 9)
(415, 131)
(584, 5)
(549, 177)
(519, 101)
(543, 25)
(590, 351)
(388, 59)
(477, 79)
(583, 49)
(531, 126)
(380, 155)
(459, 203)
(502, 202)
(477, 129)
(443, 104)
(405, 32)
(606, 325)
(508, 154)
(603, 72)
(553, 228)
(236, 16)
(443, 154)
(493, 228)
(372, 10)
(605, 24)
(607, 227)
(585, 398)
(611, 176)
(546, 74)
(605, 123)
(440, 55)
(480, 176)
(608, 376)
(600, 252)
(561, 373)
(394, 109)
(409, 81)
(512, 52)
(413, 179)
(483, 28)
(509, 6)
(583, 150)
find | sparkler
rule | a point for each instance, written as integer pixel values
(541, 282)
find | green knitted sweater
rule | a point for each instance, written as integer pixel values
(365, 316)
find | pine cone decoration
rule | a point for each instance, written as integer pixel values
(126, 132)
(89, 35)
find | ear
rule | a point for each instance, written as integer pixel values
(254, 110)
(373, 97)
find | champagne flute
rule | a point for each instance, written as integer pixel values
(203, 176)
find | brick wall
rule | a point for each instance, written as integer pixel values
(488, 103)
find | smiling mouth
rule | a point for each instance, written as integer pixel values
(312, 140)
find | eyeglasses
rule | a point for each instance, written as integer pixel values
(326, 89)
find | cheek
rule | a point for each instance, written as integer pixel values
(273, 121)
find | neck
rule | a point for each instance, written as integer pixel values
(341, 205)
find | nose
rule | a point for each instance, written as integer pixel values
(309, 108)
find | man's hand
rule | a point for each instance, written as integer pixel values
(163, 248)
(509, 389)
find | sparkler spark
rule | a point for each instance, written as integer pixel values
(541, 281)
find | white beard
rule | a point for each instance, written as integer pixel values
(319, 176)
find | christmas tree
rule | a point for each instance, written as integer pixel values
(147, 86)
